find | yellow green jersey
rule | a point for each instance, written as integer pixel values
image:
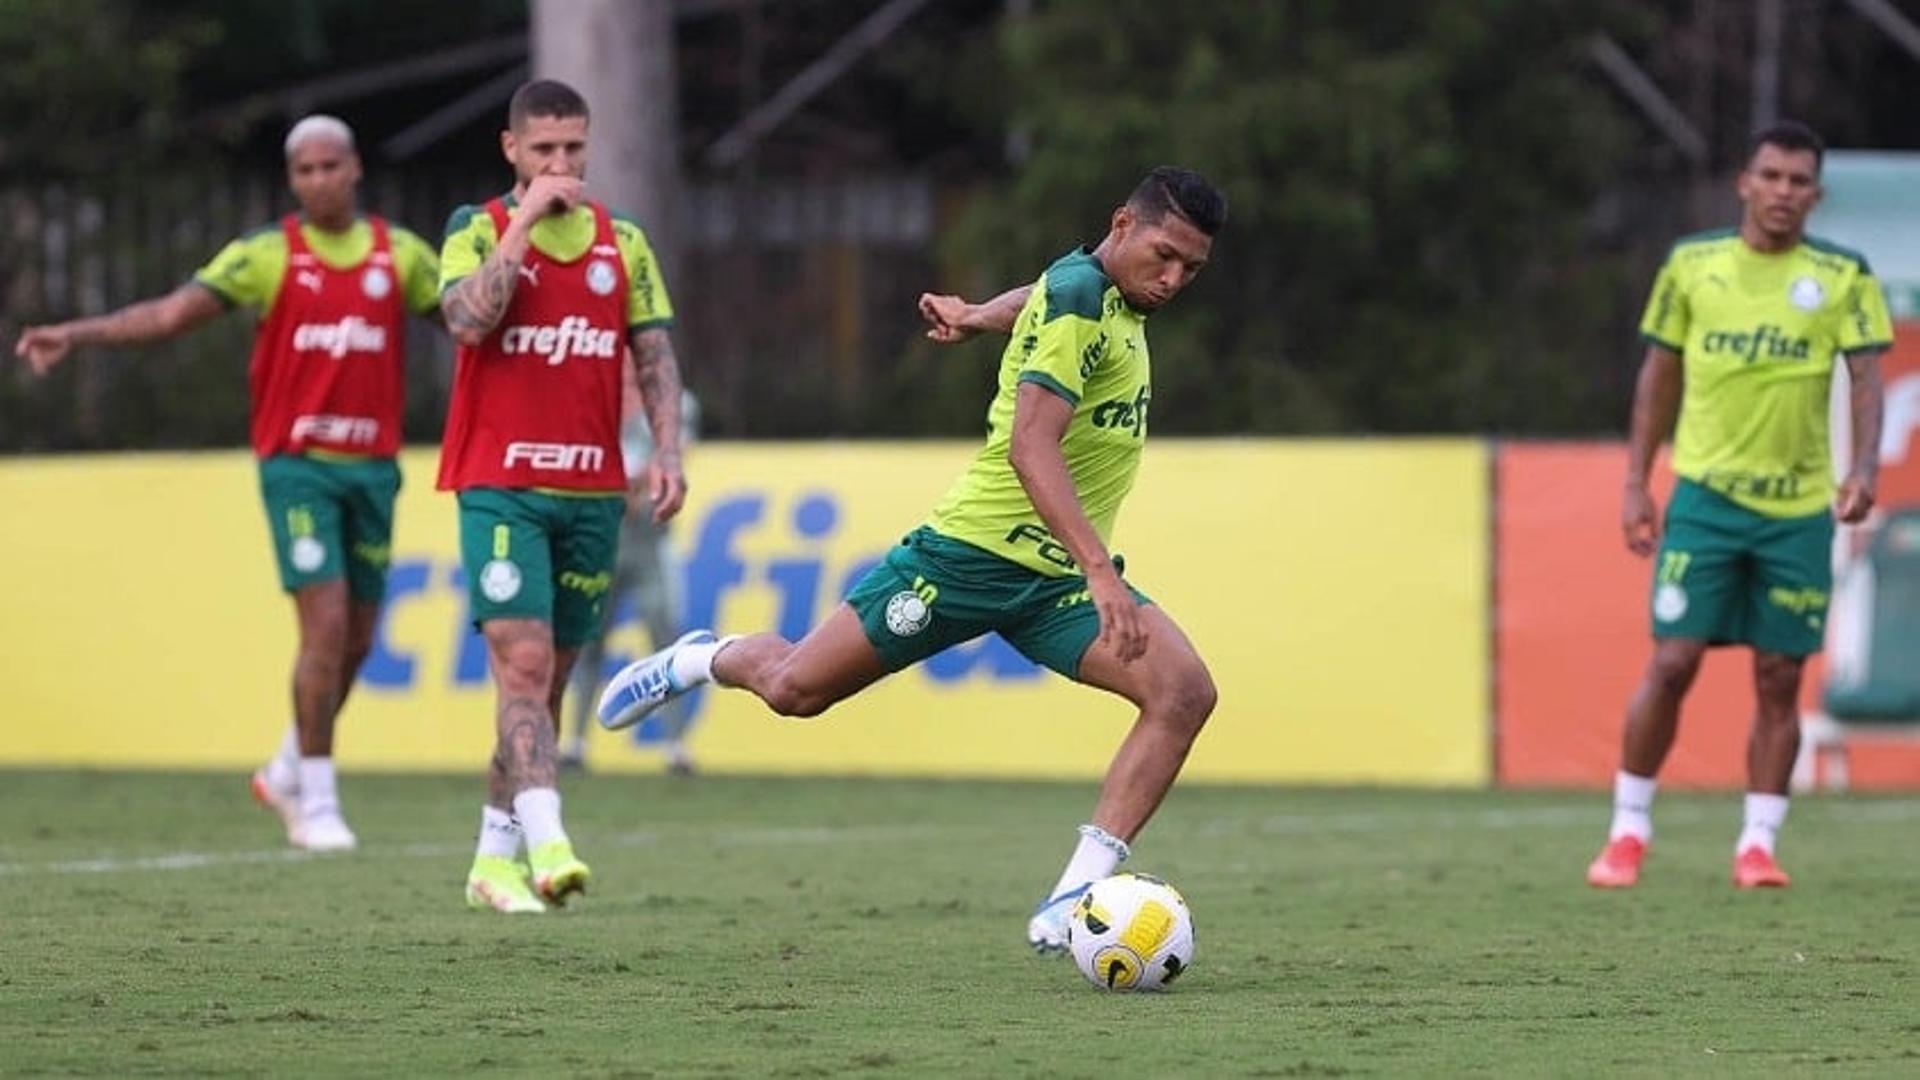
(1077, 338)
(1757, 334)
(248, 271)
(471, 238)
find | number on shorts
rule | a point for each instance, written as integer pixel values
(1673, 566)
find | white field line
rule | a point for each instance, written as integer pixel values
(1590, 813)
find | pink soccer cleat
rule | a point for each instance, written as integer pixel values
(1618, 864)
(1754, 868)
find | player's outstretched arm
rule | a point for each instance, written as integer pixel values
(149, 320)
(951, 319)
(1040, 420)
(1656, 404)
(656, 371)
(1854, 501)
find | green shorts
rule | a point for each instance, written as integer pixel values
(1728, 575)
(932, 591)
(331, 518)
(530, 555)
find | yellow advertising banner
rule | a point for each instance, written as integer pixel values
(1337, 589)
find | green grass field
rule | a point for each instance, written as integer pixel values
(750, 927)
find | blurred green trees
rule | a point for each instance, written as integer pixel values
(1409, 184)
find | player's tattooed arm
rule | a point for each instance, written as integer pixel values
(656, 372)
(951, 319)
(475, 303)
(1868, 402)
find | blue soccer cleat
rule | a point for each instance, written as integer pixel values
(645, 685)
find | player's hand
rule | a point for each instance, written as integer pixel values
(1854, 501)
(554, 194)
(948, 318)
(666, 489)
(1640, 521)
(638, 498)
(43, 346)
(1121, 627)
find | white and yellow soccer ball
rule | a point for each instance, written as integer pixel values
(1131, 932)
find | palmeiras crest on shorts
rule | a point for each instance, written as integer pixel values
(600, 277)
(376, 283)
(1806, 294)
(1669, 603)
(907, 613)
(500, 581)
(306, 554)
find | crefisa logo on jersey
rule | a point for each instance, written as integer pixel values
(575, 336)
(601, 277)
(376, 283)
(1806, 294)
(337, 339)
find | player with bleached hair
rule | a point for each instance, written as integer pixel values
(331, 288)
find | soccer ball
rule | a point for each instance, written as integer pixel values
(1131, 932)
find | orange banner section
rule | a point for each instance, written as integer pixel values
(1899, 448)
(1573, 637)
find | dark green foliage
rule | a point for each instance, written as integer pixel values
(1409, 188)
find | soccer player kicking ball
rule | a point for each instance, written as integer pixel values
(1019, 543)
(332, 288)
(545, 290)
(1741, 332)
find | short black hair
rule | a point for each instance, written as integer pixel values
(1789, 135)
(1182, 191)
(544, 97)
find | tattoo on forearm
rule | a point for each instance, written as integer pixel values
(476, 303)
(525, 751)
(657, 372)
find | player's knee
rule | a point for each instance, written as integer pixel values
(1674, 666)
(788, 696)
(323, 636)
(524, 668)
(1188, 695)
(1776, 680)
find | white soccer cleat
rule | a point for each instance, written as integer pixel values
(325, 833)
(645, 685)
(1047, 930)
(284, 801)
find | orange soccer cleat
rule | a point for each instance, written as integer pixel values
(1754, 868)
(1618, 864)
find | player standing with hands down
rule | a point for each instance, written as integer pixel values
(547, 292)
(1019, 544)
(1742, 331)
(332, 288)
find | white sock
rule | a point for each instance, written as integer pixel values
(499, 835)
(317, 795)
(1095, 857)
(1765, 815)
(539, 812)
(1632, 806)
(283, 768)
(693, 664)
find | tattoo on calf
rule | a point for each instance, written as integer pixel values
(526, 750)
